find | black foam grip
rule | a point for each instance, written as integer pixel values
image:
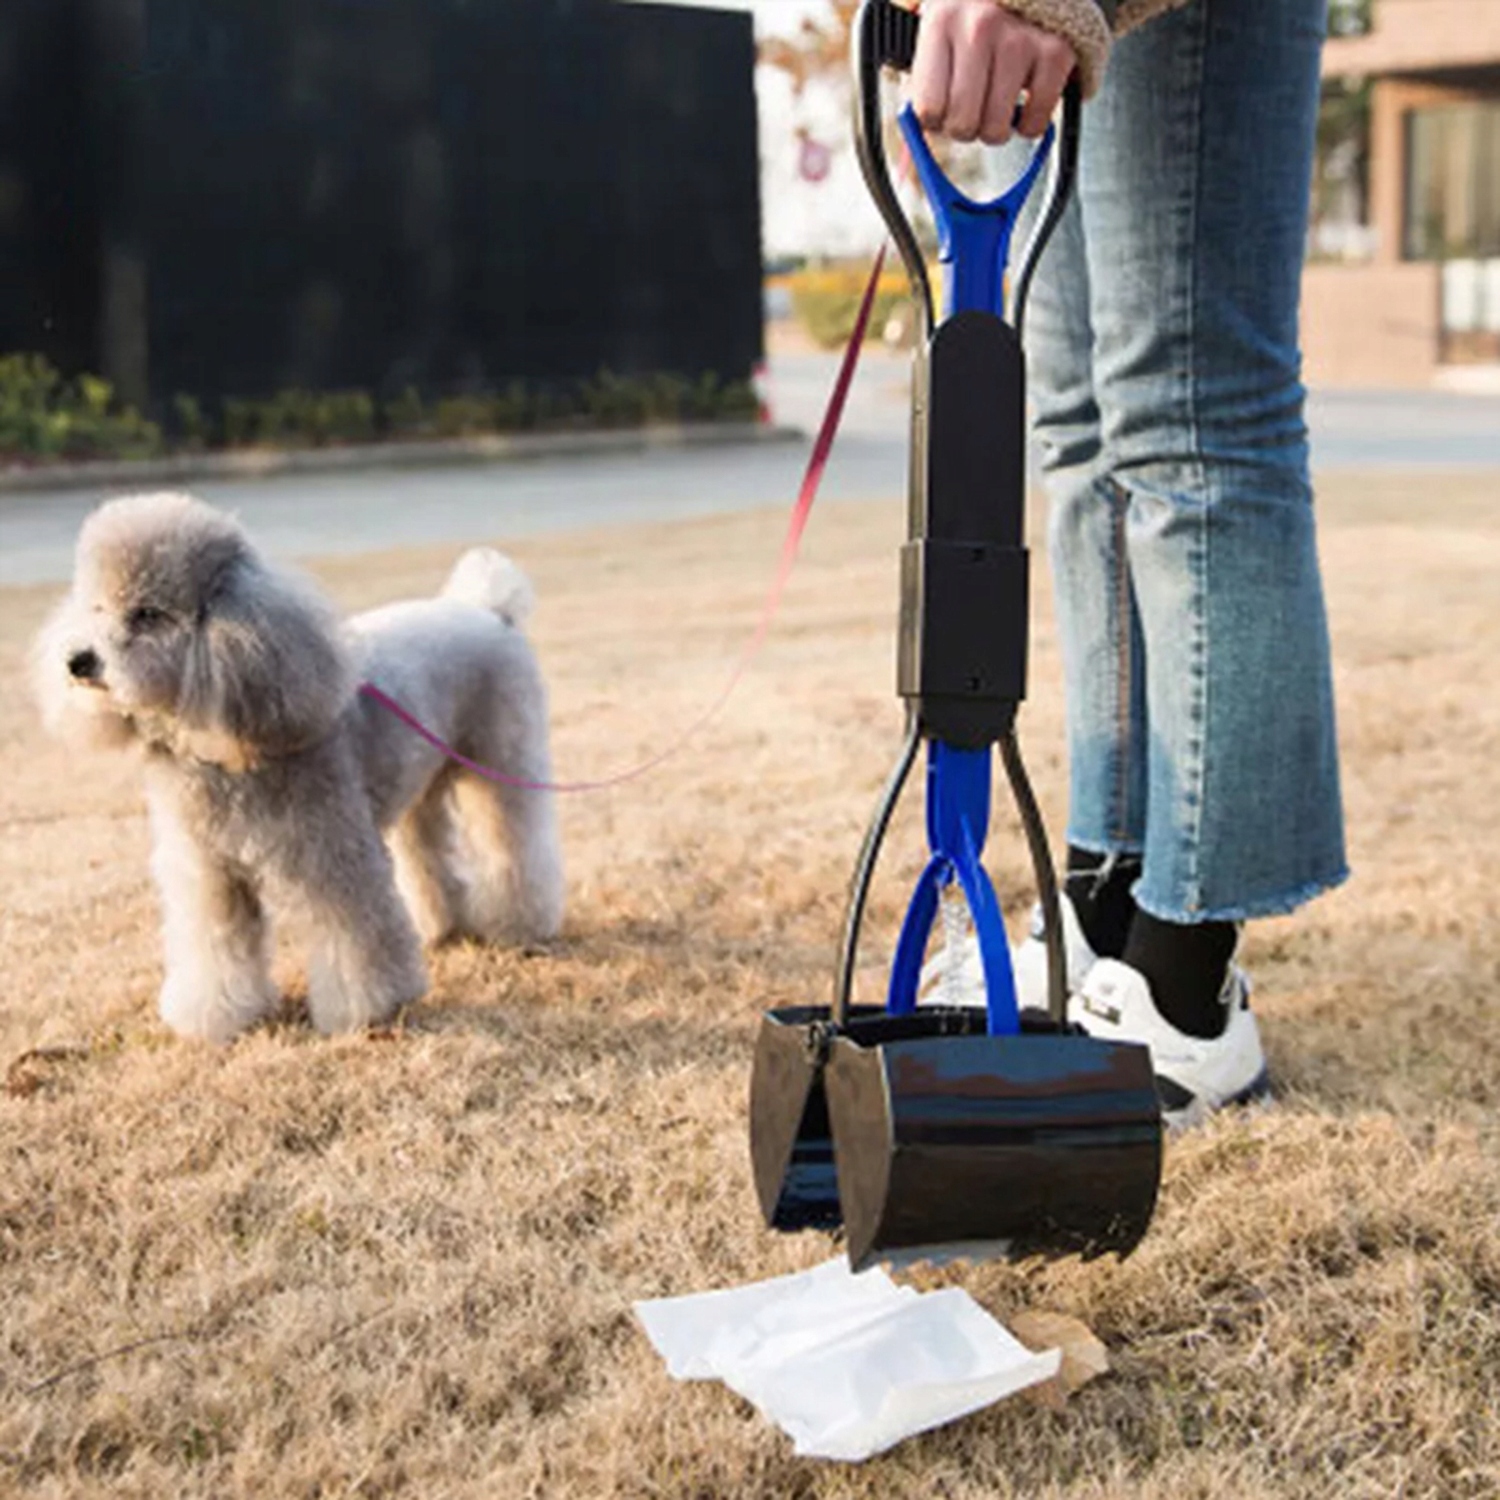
(961, 641)
(975, 443)
(962, 635)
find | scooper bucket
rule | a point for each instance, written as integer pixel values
(946, 1130)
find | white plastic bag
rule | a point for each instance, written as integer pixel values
(704, 1335)
(846, 1365)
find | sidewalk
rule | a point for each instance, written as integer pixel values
(488, 448)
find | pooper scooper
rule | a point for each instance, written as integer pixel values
(944, 1130)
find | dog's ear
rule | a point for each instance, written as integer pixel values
(267, 673)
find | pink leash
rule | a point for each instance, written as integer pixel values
(816, 463)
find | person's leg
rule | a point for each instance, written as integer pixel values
(1192, 216)
(1194, 198)
(1098, 628)
(1097, 625)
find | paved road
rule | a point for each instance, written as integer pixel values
(349, 513)
(346, 513)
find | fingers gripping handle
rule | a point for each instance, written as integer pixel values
(885, 36)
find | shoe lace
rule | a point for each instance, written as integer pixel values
(954, 911)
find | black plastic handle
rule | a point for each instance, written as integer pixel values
(886, 36)
(895, 35)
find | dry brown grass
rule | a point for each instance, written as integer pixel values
(405, 1265)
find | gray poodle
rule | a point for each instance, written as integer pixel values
(271, 778)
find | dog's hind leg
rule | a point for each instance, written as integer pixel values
(425, 844)
(516, 888)
(218, 979)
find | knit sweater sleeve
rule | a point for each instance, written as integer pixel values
(1089, 26)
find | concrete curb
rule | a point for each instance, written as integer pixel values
(264, 463)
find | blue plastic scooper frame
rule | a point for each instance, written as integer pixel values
(974, 248)
(973, 238)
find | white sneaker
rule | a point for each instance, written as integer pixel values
(1030, 958)
(960, 980)
(1194, 1076)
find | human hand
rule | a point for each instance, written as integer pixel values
(973, 60)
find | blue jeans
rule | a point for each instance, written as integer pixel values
(1162, 344)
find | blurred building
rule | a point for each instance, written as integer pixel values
(1414, 300)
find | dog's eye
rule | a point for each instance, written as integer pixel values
(145, 618)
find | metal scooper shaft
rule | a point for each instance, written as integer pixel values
(965, 596)
(940, 1131)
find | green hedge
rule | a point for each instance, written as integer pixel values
(42, 416)
(826, 302)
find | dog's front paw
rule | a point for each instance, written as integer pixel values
(212, 1009)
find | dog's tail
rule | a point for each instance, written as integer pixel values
(490, 580)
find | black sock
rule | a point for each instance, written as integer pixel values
(1186, 966)
(1099, 887)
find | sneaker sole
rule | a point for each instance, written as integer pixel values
(1181, 1107)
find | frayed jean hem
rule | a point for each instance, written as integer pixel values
(1280, 905)
(1106, 847)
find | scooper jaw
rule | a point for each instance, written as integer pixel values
(791, 1148)
(981, 1134)
(926, 1139)
(982, 1147)
(929, 1132)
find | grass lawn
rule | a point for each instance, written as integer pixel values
(404, 1264)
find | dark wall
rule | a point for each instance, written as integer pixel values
(446, 193)
(48, 194)
(688, 183)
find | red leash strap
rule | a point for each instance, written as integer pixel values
(811, 480)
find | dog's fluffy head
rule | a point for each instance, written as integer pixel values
(178, 634)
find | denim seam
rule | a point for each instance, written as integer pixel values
(1119, 501)
(1192, 827)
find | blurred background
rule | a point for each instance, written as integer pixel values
(344, 228)
(1403, 278)
(397, 200)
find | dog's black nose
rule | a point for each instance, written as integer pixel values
(85, 665)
